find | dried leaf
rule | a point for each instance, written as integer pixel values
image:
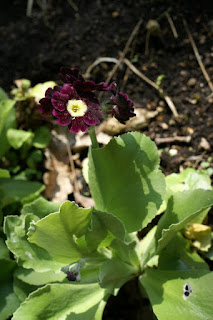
(200, 235)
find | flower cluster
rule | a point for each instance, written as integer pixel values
(75, 104)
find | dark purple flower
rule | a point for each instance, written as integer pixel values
(75, 104)
(123, 107)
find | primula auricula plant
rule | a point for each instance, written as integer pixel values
(72, 259)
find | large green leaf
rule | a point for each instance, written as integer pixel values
(17, 138)
(166, 292)
(114, 273)
(125, 180)
(7, 121)
(57, 232)
(3, 95)
(22, 289)
(27, 254)
(183, 207)
(34, 278)
(103, 229)
(9, 302)
(57, 301)
(40, 207)
(188, 179)
(18, 190)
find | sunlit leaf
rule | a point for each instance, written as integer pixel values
(182, 208)
(3, 95)
(125, 180)
(180, 294)
(27, 254)
(57, 301)
(17, 138)
(7, 121)
(57, 232)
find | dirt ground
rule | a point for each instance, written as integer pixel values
(63, 34)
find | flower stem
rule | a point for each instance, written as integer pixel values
(93, 137)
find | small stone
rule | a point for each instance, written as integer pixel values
(173, 152)
(205, 144)
(191, 82)
(184, 73)
(164, 126)
(161, 103)
(115, 14)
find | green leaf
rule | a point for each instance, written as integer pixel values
(3, 95)
(57, 232)
(4, 173)
(189, 179)
(125, 252)
(22, 289)
(40, 207)
(34, 278)
(114, 273)
(42, 137)
(178, 255)
(7, 121)
(125, 180)
(183, 207)
(38, 91)
(19, 190)
(103, 229)
(57, 301)
(166, 292)
(27, 254)
(9, 302)
(90, 314)
(17, 138)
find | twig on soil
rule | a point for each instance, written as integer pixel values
(72, 165)
(142, 76)
(186, 139)
(126, 76)
(98, 61)
(154, 85)
(123, 54)
(171, 23)
(29, 8)
(194, 47)
(73, 5)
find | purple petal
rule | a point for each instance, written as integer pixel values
(59, 105)
(45, 107)
(86, 86)
(69, 75)
(92, 117)
(78, 125)
(123, 107)
(60, 96)
(70, 91)
(64, 118)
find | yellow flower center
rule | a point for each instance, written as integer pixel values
(76, 108)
